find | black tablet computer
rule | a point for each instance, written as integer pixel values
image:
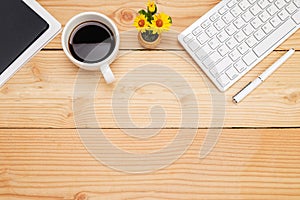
(26, 27)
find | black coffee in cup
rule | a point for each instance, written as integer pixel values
(91, 42)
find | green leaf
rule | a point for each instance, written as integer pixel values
(143, 12)
(149, 17)
(170, 20)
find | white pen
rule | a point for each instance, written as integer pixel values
(254, 84)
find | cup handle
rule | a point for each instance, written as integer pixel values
(107, 74)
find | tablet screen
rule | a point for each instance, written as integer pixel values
(20, 26)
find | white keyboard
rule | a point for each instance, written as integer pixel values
(236, 35)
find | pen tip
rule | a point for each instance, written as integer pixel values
(234, 101)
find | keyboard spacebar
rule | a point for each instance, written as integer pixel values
(274, 38)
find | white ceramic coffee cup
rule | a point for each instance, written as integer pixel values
(104, 65)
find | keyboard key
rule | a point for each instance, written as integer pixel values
(283, 15)
(296, 17)
(223, 50)
(188, 38)
(231, 3)
(231, 29)
(256, 23)
(214, 17)
(247, 16)
(275, 37)
(248, 30)
(275, 21)
(205, 24)
(207, 49)
(243, 48)
(217, 70)
(264, 16)
(194, 45)
(291, 8)
(244, 4)
(267, 28)
(232, 73)
(240, 36)
(297, 3)
(201, 54)
(250, 58)
(211, 31)
(231, 43)
(224, 80)
(234, 55)
(214, 43)
(215, 57)
(212, 59)
(236, 11)
(202, 38)
(255, 9)
(223, 36)
(228, 18)
(239, 23)
(263, 3)
(259, 35)
(220, 24)
(240, 66)
(223, 10)
(272, 9)
(197, 30)
(280, 3)
(251, 41)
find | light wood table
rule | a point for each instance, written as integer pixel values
(257, 155)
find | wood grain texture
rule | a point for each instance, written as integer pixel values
(41, 93)
(245, 164)
(123, 12)
(43, 157)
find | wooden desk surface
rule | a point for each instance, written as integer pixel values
(257, 155)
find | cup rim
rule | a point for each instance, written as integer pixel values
(65, 39)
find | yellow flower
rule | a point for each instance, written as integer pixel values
(160, 23)
(151, 6)
(141, 23)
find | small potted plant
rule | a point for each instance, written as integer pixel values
(151, 25)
